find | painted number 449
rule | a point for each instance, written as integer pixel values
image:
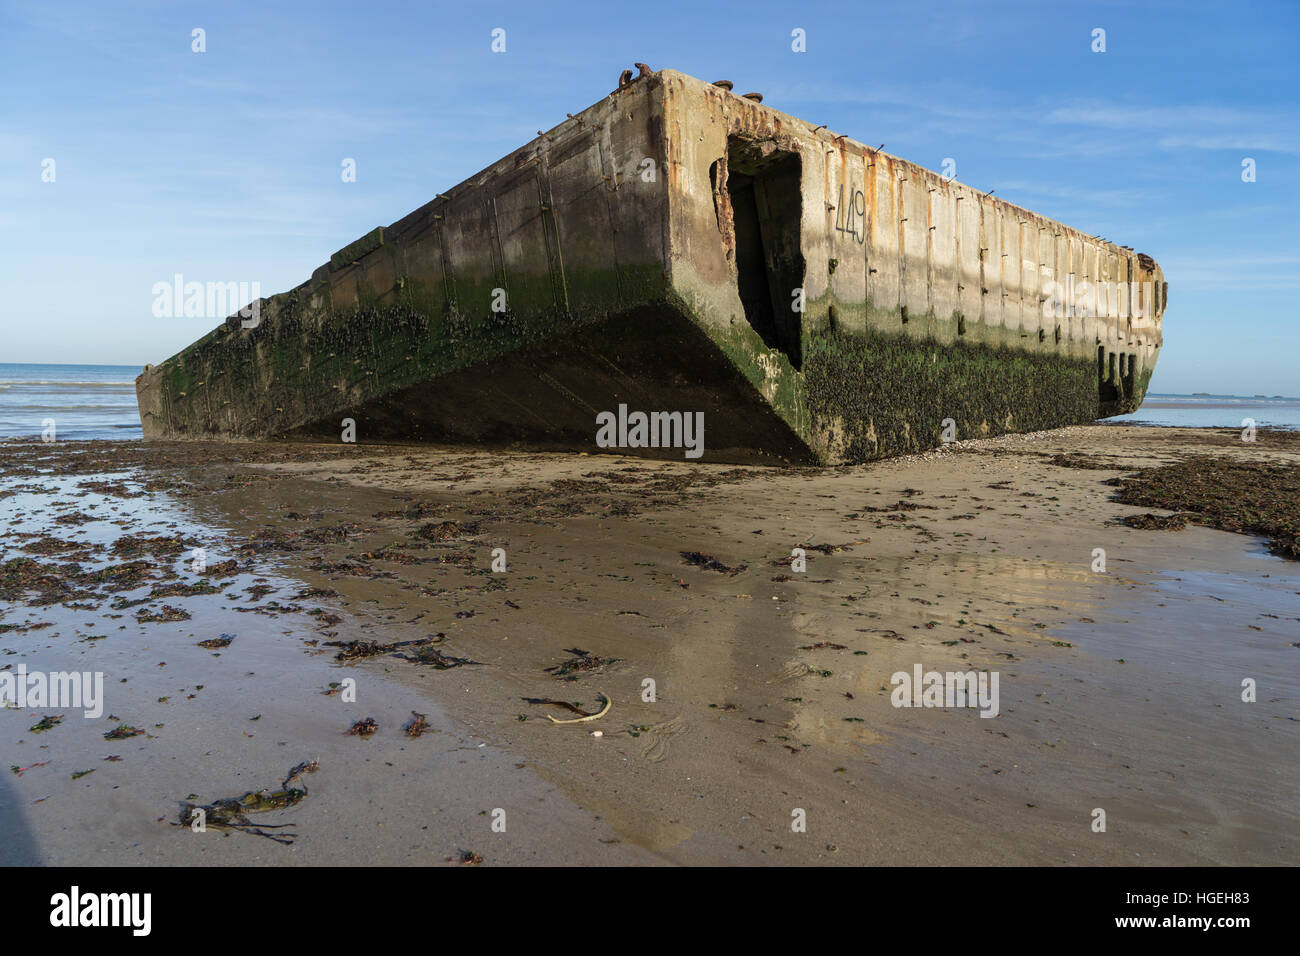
(852, 219)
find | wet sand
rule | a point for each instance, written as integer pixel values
(1118, 690)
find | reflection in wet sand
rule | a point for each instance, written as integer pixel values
(736, 698)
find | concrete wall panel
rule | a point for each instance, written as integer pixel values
(970, 243)
(882, 244)
(943, 247)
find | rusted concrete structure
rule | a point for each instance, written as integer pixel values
(679, 247)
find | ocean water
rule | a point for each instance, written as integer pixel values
(1216, 411)
(85, 401)
(98, 401)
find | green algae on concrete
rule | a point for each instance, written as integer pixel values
(875, 395)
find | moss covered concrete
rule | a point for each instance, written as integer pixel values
(301, 365)
(873, 395)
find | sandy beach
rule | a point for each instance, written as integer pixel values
(750, 716)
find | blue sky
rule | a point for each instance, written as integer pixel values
(225, 165)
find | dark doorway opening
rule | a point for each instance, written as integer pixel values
(763, 186)
(1107, 377)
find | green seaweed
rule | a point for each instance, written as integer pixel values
(872, 394)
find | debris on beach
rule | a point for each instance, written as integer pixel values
(53, 583)
(306, 767)
(365, 727)
(825, 548)
(47, 722)
(231, 813)
(356, 569)
(1155, 522)
(307, 593)
(360, 650)
(1075, 460)
(587, 716)
(160, 546)
(222, 569)
(24, 628)
(899, 505)
(52, 545)
(269, 540)
(123, 731)
(395, 555)
(167, 613)
(118, 489)
(415, 512)
(581, 662)
(884, 632)
(74, 517)
(553, 702)
(417, 725)
(270, 609)
(446, 530)
(159, 591)
(18, 771)
(432, 657)
(1230, 494)
(708, 562)
(215, 643)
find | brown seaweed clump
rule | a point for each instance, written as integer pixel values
(1230, 494)
(365, 727)
(1155, 522)
(1076, 460)
(159, 546)
(360, 650)
(169, 612)
(581, 662)
(446, 530)
(417, 725)
(432, 657)
(708, 562)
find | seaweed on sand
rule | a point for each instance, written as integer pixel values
(1231, 494)
(446, 530)
(360, 650)
(709, 563)
(52, 583)
(432, 657)
(231, 813)
(159, 546)
(581, 662)
(169, 612)
(48, 722)
(122, 731)
(417, 725)
(365, 727)
(1155, 522)
(1076, 460)
(306, 767)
